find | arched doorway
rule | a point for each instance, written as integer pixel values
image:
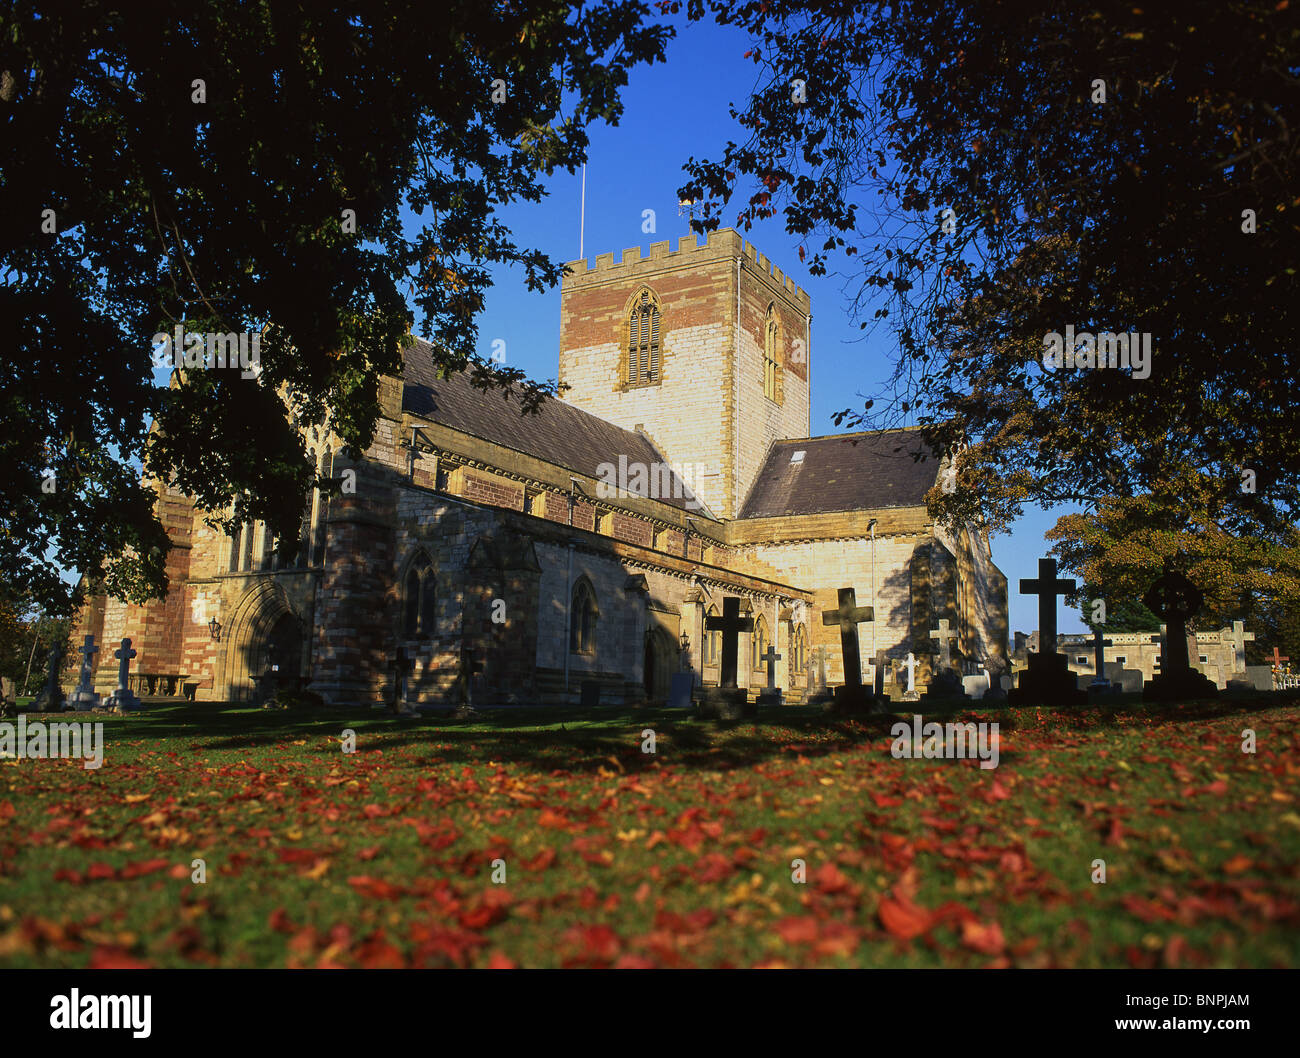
(660, 655)
(282, 651)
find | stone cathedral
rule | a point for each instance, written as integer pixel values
(583, 548)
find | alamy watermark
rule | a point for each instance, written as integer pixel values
(950, 741)
(76, 1011)
(1103, 349)
(209, 350)
(654, 481)
(39, 741)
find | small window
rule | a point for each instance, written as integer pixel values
(1122, 659)
(1082, 659)
(582, 617)
(419, 598)
(1204, 659)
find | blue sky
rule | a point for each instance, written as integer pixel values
(674, 111)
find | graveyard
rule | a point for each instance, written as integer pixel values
(1103, 829)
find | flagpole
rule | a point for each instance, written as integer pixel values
(582, 215)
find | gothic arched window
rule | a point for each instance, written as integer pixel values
(772, 356)
(582, 619)
(643, 348)
(419, 594)
(758, 642)
(712, 640)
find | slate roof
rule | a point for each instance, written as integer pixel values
(842, 472)
(559, 433)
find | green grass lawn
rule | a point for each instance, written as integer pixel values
(612, 856)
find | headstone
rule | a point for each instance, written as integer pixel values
(1239, 638)
(1260, 676)
(402, 667)
(976, 686)
(590, 692)
(1277, 660)
(84, 697)
(122, 700)
(1175, 598)
(852, 697)
(1100, 685)
(469, 668)
(727, 701)
(944, 635)
(771, 695)
(910, 695)
(1047, 679)
(817, 692)
(947, 685)
(683, 684)
(879, 669)
(1123, 680)
(999, 684)
(8, 703)
(51, 699)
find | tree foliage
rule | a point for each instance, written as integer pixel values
(1124, 215)
(198, 160)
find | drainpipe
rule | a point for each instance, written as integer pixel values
(568, 604)
(807, 363)
(735, 396)
(872, 526)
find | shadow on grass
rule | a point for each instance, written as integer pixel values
(572, 739)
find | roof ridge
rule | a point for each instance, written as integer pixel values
(845, 436)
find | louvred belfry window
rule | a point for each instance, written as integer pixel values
(643, 341)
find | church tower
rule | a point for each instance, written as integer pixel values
(705, 349)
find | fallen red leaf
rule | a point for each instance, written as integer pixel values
(904, 919)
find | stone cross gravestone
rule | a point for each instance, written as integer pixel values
(85, 696)
(1277, 659)
(730, 624)
(1099, 645)
(51, 699)
(771, 657)
(1239, 638)
(947, 682)
(944, 635)
(1047, 679)
(847, 616)
(879, 669)
(122, 699)
(910, 664)
(771, 695)
(728, 701)
(1175, 598)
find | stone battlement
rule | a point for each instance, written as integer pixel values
(721, 244)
